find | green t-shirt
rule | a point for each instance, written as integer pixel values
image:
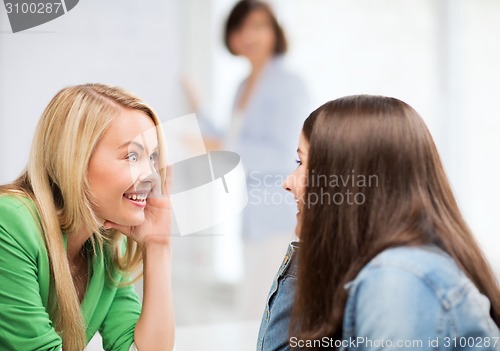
(24, 290)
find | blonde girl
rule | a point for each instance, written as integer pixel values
(95, 178)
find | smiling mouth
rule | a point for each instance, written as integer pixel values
(137, 197)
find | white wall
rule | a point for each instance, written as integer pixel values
(127, 43)
(481, 128)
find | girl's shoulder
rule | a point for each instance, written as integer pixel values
(17, 207)
(418, 259)
(429, 264)
(19, 223)
(415, 292)
(14, 200)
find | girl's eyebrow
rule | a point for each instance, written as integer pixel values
(132, 142)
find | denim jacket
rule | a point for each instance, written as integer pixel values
(410, 298)
(404, 299)
(273, 333)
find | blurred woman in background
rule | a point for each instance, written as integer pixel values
(268, 111)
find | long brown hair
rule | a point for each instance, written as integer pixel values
(403, 198)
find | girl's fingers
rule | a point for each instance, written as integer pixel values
(166, 186)
(169, 176)
(161, 191)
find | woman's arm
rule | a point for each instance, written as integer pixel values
(155, 327)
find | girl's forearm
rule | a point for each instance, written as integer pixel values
(155, 328)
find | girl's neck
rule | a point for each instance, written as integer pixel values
(74, 244)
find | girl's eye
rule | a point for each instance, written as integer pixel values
(132, 157)
(154, 156)
(154, 161)
(298, 161)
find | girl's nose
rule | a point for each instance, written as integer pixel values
(148, 171)
(287, 184)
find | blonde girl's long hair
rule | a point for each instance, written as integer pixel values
(56, 181)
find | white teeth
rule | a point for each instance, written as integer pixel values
(137, 197)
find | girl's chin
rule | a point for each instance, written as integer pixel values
(130, 221)
(135, 223)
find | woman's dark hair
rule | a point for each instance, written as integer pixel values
(407, 202)
(241, 11)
